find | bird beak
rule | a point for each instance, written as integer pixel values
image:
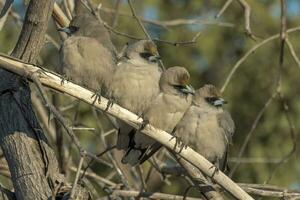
(154, 58)
(188, 89)
(219, 102)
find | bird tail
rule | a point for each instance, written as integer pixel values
(122, 141)
(150, 151)
(132, 156)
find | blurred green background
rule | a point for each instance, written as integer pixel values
(210, 60)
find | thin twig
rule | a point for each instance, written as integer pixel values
(61, 119)
(143, 28)
(96, 177)
(53, 81)
(292, 135)
(110, 156)
(138, 20)
(76, 177)
(292, 51)
(250, 133)
(156, 195)
(116, 14)
(224, 7)
(173, 22)
(247, 13)
(283, 36)
(92, 160)
(254, 160)
(251, 51)
(60, 16)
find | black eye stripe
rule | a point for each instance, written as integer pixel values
(211, 100)
(145, 55)
(179, 86)
(73, 29)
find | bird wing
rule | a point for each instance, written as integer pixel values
(227, 124)
(85, 61)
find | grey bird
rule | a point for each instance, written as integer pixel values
(207, 127)
(87, 56)
(164, 113)
(135, 83)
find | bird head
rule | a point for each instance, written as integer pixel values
(145, 50)
(175, 80)
(85, 25)
(209, 94)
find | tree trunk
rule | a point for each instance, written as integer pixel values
(31, 160)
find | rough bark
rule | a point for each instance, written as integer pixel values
(31, 160)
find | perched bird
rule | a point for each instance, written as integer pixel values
(164, 113)
(87, 56)
(135, 83)
(206, 127)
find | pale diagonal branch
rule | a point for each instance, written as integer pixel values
(53, 81)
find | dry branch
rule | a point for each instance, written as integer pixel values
(54, 82)
(173, 22)
(31, 160)
(150, 195)
(251, 51)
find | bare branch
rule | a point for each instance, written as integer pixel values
(96, 177)
(76, 177)
(156, 195)
(53, 81)
(60, 16)
(224, 7)
(251, 51)
(292, 51)
(138, 19)
(253, 127)
(247, 15)
(173, 22)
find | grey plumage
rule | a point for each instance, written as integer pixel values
(87, 56)
(134, 84)
(206, 127)
(163, 113)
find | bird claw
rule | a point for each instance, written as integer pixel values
(140, 115)
(178, 142)
(110, 103)
(144, 124)
(40, 71)
(64, 78)
(96, 96)
(216, 170)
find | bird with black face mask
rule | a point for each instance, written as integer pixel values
(87, 56)
(134, 83)
(163, 113)
(206, 127)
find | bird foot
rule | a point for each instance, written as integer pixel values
(178, 142)
(216, 170)
(97, 96)
(64, 78)
(140, 115)
(144, 124)
(110, 103)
